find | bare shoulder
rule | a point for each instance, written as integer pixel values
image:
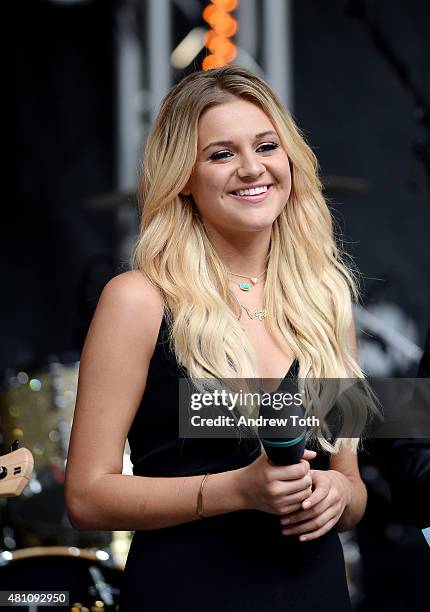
(133, 288)
(131, 302)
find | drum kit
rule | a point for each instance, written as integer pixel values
(39, 548)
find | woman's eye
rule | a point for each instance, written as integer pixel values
(263, 148)
(220, 155)
(268, 146)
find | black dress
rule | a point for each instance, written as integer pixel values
(238, 561)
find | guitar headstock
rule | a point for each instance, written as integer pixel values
(15, 470)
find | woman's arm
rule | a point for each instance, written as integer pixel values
(112, 379)
(345, 466)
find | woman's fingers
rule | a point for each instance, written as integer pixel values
(308, 455)
(290, 472)
(312, 525)
(290, 509)
(298, 497)
(322, 487)
(282, 490)
(313, 535)
(306, 515)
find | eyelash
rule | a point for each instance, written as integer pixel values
(216, 156)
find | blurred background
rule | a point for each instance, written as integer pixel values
(88, 77)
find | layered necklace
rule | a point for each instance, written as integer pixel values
(256, 313)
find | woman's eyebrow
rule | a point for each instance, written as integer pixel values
(225, 143)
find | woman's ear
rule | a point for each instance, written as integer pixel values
(186, 190)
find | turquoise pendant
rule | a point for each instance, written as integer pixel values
(245, 286)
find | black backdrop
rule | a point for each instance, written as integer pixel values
(64, 143)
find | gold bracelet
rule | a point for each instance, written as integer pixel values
(200, 497)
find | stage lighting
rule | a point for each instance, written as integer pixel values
(223, 27)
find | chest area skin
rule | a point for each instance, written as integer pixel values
(273, 361)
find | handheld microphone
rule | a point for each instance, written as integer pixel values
(288, 448)
(285, 451)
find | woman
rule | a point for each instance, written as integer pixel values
(236, 275)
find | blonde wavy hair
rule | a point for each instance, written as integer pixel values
(309, 287)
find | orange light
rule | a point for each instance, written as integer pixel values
(209, 36)
(212, 14)
(223, 47)
(214, 42)
(228, 53)
(212, 61)
(223, 26)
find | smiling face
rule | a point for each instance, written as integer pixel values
(241, 180)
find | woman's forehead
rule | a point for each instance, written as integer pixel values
(238, 117)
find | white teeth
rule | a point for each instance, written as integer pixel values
(255, 191)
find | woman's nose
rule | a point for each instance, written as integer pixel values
(250, 166)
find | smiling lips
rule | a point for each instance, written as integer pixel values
(252, 195)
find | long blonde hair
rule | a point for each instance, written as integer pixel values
(308, 289)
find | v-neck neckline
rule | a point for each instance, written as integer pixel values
(286, 375)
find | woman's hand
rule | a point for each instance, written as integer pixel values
(322, 509)
(274, 488)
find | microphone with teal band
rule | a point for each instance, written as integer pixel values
(285, 452)
(290, 427)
